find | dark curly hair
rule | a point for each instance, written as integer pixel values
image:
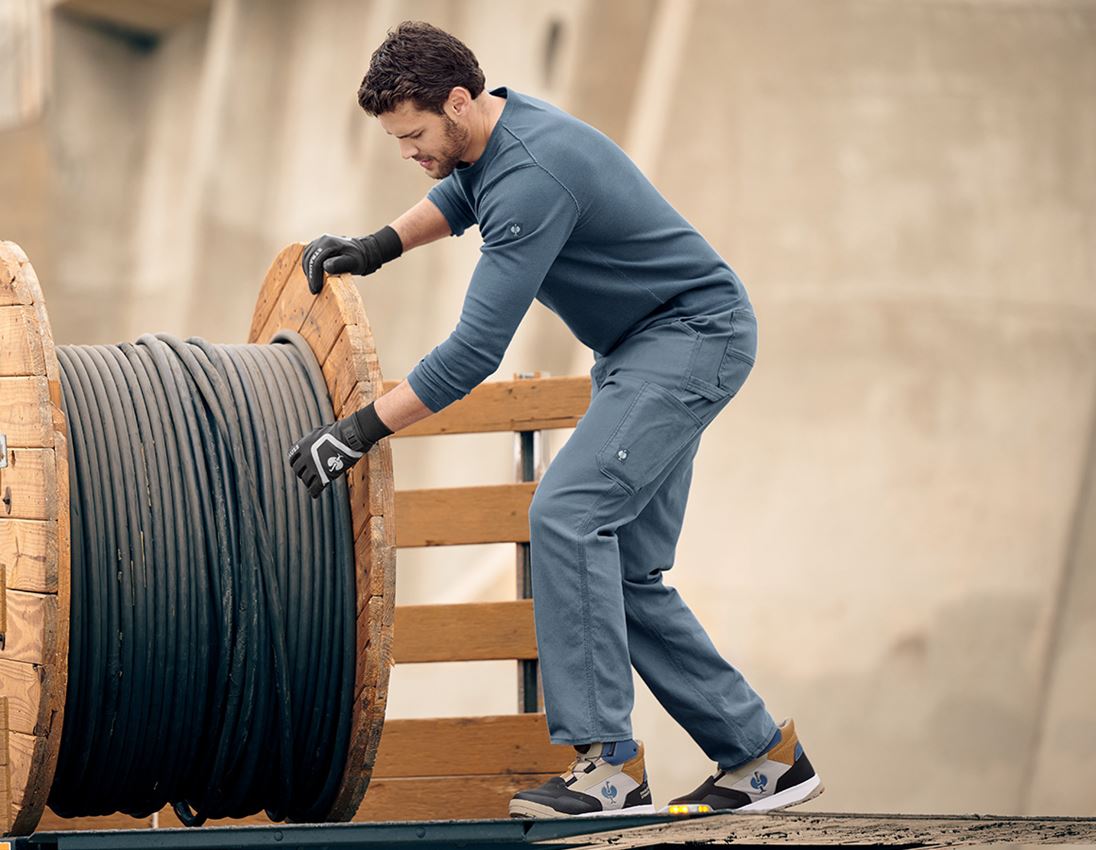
(420, 63)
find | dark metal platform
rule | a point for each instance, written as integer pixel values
(743, 830)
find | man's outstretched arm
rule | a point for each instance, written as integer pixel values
(421, 224)
(363, 255)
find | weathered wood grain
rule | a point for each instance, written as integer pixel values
(522, 405)
(469, 631)
(464, 746)
(496, 513)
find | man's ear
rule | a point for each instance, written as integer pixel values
(459, 101)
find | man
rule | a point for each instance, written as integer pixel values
(568, 219)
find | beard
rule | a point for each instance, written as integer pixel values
(456, 140)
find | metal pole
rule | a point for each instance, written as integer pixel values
(528, 445)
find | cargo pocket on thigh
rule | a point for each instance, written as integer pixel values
(655, 427)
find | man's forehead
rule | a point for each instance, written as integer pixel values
(404, 118)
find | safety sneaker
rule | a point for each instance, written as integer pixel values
(604, 779)
(778, 778)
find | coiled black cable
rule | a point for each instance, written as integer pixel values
(212, 635)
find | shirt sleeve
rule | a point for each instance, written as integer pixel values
(448, 197)
(526, 218)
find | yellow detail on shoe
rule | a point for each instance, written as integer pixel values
(688, 809)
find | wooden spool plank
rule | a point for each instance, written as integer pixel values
(20, 348)
(55, 671)
(28, 485)
(445, 797)
(287, 261)
(497, 513)
(372, 547)
(21, 685)
(31, 627)
(522, 405)
(28, 787)
(504, 743)
(34, 542)
(347, 360)
(469, 631)
(326, 321)
(289, 310)
(23, 417)
(13, 287)
(374, 467)
(336, 317)
(28, 554)
(375, 662)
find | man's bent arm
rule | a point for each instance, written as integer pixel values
(421, 224)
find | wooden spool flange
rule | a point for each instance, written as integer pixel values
(34, 523)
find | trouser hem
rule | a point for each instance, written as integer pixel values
(597, 739)
(764, 743)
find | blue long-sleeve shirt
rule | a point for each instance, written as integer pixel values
(566, 218)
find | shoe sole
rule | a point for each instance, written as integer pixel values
(801, 793)
(529, 809)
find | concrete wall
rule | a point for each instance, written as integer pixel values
(892, 528)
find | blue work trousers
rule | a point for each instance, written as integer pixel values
(604, 524)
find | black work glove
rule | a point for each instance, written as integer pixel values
(329, 451)
(338, 255)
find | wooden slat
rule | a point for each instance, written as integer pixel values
(450, 516)
(28, 485)
(31, 627)
(331, 312)
(21, 755)
(25, 415)
(288, 310)
(13, 288)
(22, 686)
(525, 405)
(465, 746)
(28, 554)
(472, 631)
(274, 282)
(346, 362)
(370, 548)
(20, 346)
(371, 478)
(444, 797)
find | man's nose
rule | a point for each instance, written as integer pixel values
(407, 150)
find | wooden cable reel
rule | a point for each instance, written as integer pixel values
(34, 523)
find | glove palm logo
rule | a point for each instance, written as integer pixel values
(335, 464)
